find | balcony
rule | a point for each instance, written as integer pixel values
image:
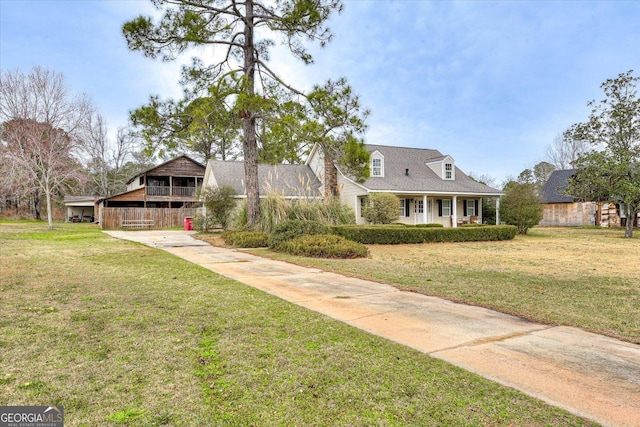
(166, 191)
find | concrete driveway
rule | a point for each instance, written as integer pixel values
(587, 374)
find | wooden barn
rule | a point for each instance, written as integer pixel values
(560, 209)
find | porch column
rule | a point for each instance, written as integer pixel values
(454, 211)
(424, 209)
(497, 210)
(355, 207)
(480, 213)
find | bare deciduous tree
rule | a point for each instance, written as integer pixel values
(41, 129)
(564, 151)
(106, 158)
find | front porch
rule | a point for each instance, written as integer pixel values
(448, 210)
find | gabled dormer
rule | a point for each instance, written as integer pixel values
(444, 167)
(377, 165)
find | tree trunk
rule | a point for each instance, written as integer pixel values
(628, 230)
(49, 209)
(250, 145)
(36, 205)
(330, 176)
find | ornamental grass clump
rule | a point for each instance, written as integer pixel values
(329, 211)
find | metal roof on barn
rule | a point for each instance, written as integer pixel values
(553, 190)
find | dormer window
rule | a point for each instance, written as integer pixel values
(376, 169)
(443, 167)
(377, 164)
(448, 171)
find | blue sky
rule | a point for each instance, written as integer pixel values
(490, 83)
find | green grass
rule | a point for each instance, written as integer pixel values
(123, 334)
(583, 277)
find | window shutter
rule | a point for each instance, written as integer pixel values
(477, 211)
(439, 207)
(464, 208)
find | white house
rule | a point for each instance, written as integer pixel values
(430, 186)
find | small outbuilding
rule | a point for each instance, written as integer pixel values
(80, 208)
(562, 210)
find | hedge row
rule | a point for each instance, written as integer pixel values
(246, 239)
(401, 235)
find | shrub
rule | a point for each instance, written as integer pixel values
(520, 206)
(403, 235)
(246, 239)
(198, 222)
(292, 228)
(430, 225)
(239, 219)
(383, 208)
(219, 203)
(323, 246)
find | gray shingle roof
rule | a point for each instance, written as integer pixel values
(288, 180)
(552, 192)
(420, 177)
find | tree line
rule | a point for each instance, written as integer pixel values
(54, 142)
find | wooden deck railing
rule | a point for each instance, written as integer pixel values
(172, 191)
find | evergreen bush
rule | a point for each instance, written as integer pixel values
(246, 239)
(404, 235)
(323, 246)
(292, 228)
(382, 208)
(219, 204)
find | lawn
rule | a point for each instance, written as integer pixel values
(584, 277)
(123, 334)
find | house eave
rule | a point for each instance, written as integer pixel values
(438, 193)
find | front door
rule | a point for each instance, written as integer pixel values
(418, 211)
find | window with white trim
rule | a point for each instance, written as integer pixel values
(470, 208)
(376, 167)
(446, 207)
(405, 207)
(419, 206)
(448, 171)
